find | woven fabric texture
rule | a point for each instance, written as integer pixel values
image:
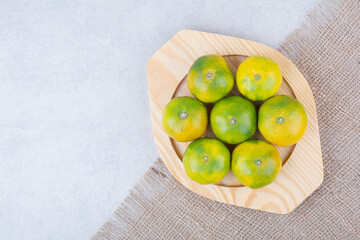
(326, 49)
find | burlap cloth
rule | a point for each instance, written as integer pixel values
(326, 49)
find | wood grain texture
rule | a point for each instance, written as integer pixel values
(302, 170)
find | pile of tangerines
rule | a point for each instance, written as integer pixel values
(234, 120)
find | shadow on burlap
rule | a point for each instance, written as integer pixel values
(326, 49)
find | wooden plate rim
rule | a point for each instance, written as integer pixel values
(232, 194)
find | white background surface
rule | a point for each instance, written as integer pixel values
(75, 131)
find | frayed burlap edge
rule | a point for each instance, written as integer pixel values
(154, 184)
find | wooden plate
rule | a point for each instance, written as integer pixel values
(302, 170)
